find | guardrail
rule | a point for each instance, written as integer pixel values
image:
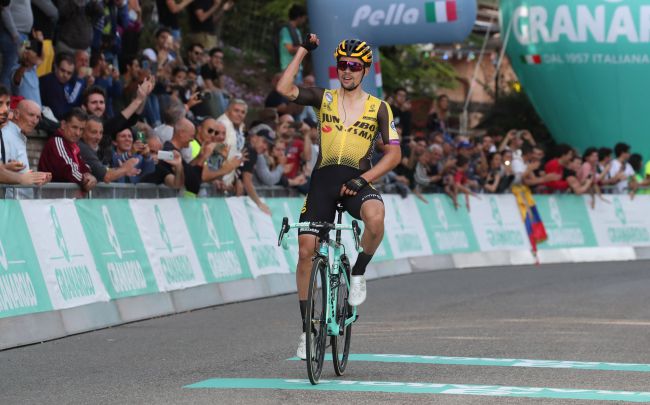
(118, 190)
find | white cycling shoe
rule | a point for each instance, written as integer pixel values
(301, 353)
(357, 290)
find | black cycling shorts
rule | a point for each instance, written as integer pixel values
(325, 192)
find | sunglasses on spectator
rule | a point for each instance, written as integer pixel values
(353, 66)
(215, 131)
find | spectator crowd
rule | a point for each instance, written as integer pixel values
(71, 70)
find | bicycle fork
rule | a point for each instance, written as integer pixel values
(334, 280)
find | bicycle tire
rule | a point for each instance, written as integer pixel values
(341, 343)
(316, 319)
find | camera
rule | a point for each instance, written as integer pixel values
(204, 95)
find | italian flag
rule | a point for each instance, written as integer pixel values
(334, 78)
(531, 59)
(441, 11)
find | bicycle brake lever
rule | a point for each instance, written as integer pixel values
(284, 229)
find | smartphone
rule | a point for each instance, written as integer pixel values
(140, 136)
(239, 155)
(165, 155)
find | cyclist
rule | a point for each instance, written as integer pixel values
(351, 124)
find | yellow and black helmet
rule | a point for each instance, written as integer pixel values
(354, 48)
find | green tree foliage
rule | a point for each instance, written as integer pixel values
(419, 72)
(279, 9)
(514, 110)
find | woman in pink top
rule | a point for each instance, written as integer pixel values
(589, 166)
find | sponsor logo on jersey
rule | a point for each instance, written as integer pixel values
(328, 97)
(327, 128)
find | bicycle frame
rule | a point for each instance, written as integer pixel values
(333, 268)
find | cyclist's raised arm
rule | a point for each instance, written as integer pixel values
(306, 96)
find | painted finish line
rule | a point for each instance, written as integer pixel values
(476, 361)
(422, 388)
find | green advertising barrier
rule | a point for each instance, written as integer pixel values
(290, 208)
(119, 253)
(405, 231)
(22, 287)
(215, 239)
(497, 223)
(566, 221)
(450, 230)
(168, 243)
(64, 256)
(57, 254)
(258, 237)
(619, 220)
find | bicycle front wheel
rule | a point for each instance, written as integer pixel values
(316, 319)
(341, 343)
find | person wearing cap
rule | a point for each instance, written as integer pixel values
(262, 140)
(353, 123)
(467, 149)
(24, 79)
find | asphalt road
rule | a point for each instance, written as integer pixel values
(587, 312)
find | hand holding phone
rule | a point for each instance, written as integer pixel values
(165, 155)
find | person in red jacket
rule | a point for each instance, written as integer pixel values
(558, 165)
(61, 155)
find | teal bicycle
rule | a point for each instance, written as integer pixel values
(328, 312)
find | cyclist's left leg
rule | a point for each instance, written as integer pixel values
(368, 206)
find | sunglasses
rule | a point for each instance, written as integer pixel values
(215, 131)
(353, 66)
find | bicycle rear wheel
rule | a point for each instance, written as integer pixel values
(341, 343)
(316, 319)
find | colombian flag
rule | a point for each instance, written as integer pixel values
(530, 215)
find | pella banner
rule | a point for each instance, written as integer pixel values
(584, 65)
(385, 22)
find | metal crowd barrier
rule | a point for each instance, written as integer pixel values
(118, 190)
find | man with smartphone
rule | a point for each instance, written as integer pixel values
(171, 169)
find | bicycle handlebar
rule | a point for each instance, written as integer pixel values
(320, 226)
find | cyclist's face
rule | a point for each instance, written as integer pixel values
(349, 79)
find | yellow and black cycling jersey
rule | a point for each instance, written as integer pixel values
(351, 146)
